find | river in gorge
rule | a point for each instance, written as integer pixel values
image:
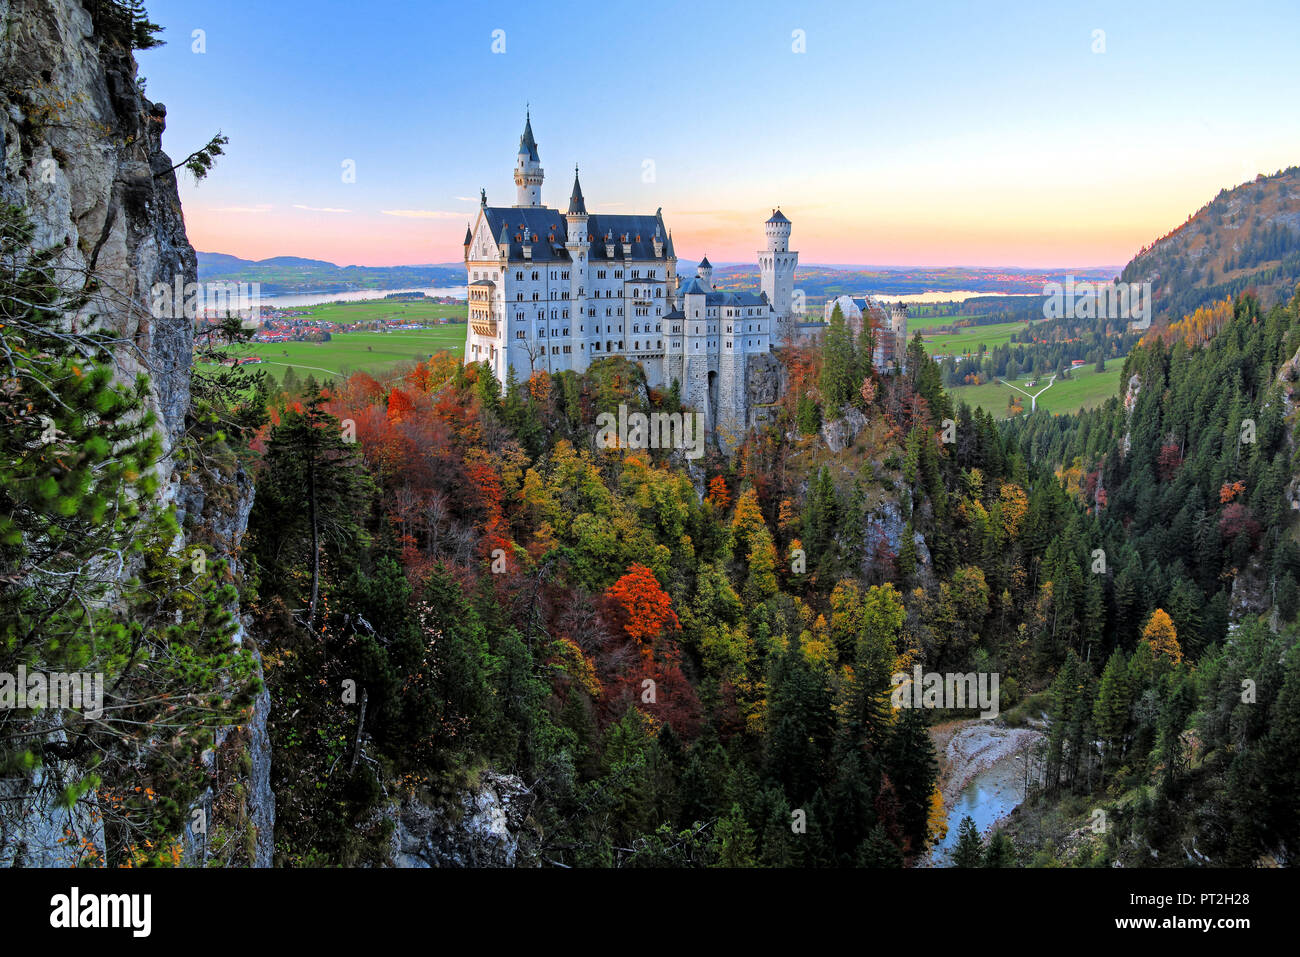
(982, 775)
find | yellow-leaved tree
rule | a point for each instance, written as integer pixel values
(1161, 634)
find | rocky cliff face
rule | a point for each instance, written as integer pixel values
(765, 382)
(487, 829)
(82, 152)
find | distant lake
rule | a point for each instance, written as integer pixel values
(360, 295)
(957, 295)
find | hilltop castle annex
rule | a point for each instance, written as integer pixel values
(559, 290)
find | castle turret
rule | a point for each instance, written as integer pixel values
(528, 169)
(577, 246)
(898, 326)
(776, 265)
(705, 272)
(576, 217)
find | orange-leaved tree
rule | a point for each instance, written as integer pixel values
(646, 609)
(718, 494)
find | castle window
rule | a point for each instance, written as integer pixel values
(535, 275)
(519, 275)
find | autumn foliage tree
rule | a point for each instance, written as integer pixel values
(646, 609)
(1162, 636)
(718, 493)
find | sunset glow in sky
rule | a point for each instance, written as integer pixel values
(964, 137)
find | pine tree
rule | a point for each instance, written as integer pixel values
(969, 851)
(734, 840)
(311, 497)
(1110, 714)
(1000, 852)
(914, 771)
(838, 384)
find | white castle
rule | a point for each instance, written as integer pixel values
(559, 290)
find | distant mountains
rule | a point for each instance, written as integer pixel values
(1245, 238)
(819, 283)
(287, 275)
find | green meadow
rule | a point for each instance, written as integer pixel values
(371, 310)
(364, 351)
(1085, 389)
(346, 353)
(968, 339)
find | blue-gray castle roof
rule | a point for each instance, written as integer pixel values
(508, 224)
(526, 142)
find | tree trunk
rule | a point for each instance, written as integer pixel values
(315, 543)
(361, 723)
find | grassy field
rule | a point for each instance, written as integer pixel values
(370, 310)
(968, 339)
(373, 352)
(1084, 389)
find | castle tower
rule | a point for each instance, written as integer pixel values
(705, 272)
(898, 326)
(776, 265)
(577, 246)
(528, 169)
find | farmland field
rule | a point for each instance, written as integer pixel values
(968, 339)
(1085, 389)
(373, 352)
(372, 310)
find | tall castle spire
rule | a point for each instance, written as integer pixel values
(528, 168)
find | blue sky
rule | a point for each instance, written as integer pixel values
(935, 134)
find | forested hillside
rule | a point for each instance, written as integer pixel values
(683, 661)
(1246, 239)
